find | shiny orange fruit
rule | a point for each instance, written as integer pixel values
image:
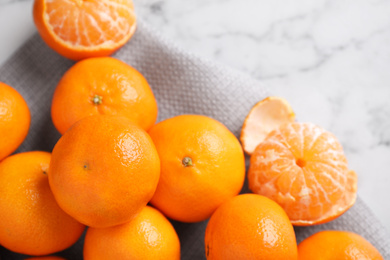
(103, 86)
(303, 168)
(52, 257)
(14, 120)
(149, 236)
(80, 29)
(31, 221)
(341, 245)
(104, 170)
(250, 226)
(202, 166)
(264, 117)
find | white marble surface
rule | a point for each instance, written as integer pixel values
(330, 59)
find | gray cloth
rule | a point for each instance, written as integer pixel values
(183, 84)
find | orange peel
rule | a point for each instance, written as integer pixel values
(265, 116)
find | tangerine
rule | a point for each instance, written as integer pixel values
(250, 226)
(149, 236)
(104, 170)
(31, 221)
(80, 29)
(332, 244)
(103, 86)
(303, 168)
(14, 120)
(202, 166)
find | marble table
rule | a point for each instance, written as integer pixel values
(329, 59)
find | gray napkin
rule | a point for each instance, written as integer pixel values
(183, 84)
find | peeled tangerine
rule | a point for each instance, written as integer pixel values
(265, 116)
(303, 168)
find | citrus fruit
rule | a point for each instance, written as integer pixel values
(31, 220)
(149, 236)
(250, 226)
(103, 86)
(46, 258)
(343, 245)
(14, 120)
(202, 165)
(265, 116)
(104, 170)
(80, 29)
(303, 168)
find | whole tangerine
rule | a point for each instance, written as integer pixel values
(14, 120)
(104, 170)
(51, 257)
(332, 244)
(202, 166)
(31, 221)
(150, 236)
(103, 86)
(250, 226)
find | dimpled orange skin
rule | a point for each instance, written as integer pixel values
(340, 245)
(14, 120)
(117, 88)
(149, 236)
(104, 170)
(192, 193)
(31, 220)
(69, 26)
(250, 226)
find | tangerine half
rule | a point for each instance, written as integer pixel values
(79, 29)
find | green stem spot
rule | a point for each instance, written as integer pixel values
(97, 100)
(187, 161)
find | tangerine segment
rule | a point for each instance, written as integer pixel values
(303, 168)
(103, 86)
(149, 236)
(104, 170)
(31, 221)
(265, 116)
(332, 244)
(79, 29)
